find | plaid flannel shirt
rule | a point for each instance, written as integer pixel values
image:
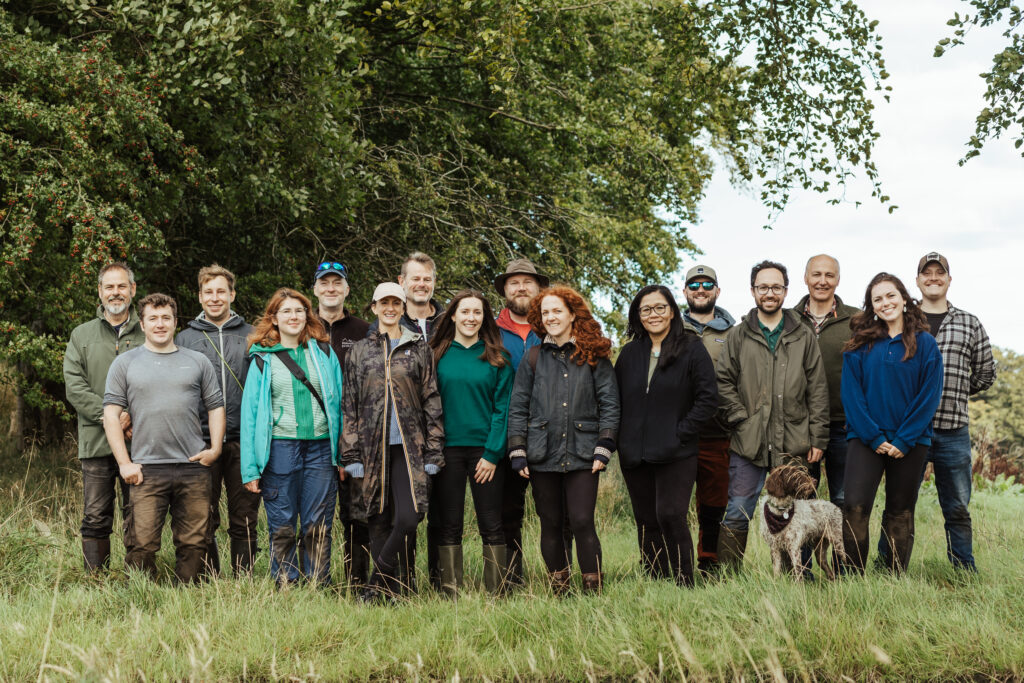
(968, 366)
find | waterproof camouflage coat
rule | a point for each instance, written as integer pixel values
(374, 380)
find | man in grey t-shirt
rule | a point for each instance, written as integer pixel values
(161, 386)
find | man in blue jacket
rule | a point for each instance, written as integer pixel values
(518, 284)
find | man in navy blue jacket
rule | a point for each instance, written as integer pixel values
(518, 284)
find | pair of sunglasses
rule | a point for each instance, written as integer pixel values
(333, 265)
(694, 286)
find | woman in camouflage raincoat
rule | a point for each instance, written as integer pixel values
(392, 434)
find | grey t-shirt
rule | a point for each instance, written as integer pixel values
(161, 392)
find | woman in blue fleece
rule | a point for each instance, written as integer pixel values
(892, 381)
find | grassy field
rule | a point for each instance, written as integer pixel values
(58, 623)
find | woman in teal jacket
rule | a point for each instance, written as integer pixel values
(291, 424)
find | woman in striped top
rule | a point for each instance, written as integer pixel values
(291, 424)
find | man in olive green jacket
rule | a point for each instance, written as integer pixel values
(774, 397)
(91, 349)
(829, 318)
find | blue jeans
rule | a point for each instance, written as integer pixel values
(835, 464)
(745, 483)
(950, 455)
(300, 483)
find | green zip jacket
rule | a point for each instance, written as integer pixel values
(91, 349)
(835, 332)
(775, 403)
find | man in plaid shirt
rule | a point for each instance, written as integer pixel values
(968, 368)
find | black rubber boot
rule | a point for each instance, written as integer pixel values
(96, 554)
(243, 554)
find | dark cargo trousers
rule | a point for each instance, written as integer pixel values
(100, 479)
(184, 490)
(243, 512)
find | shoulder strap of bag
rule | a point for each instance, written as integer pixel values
(532, 358)
(294, 368)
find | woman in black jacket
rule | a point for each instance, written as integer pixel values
(562, 421)
(667, 389)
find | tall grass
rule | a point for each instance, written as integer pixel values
(56, 622)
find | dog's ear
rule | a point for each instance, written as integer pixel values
(790, 480)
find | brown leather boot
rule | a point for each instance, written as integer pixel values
(592, 582)
(560, 581)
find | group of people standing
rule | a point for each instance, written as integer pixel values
(312, 409)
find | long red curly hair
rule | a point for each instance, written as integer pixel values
(265, 333)
(591, 344)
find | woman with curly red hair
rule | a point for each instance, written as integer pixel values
(562, 423)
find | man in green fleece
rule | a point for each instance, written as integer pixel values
(91, 349)
(829, 318)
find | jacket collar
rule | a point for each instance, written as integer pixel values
(201, 323)
(842, 311)
(789, 320)
(550, 341)
(413, 322)
(407, 337)
(131, 322)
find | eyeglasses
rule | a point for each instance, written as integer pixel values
(660, 309)
(774, 289)
(333, 265)
(286, 312)
(694, 286)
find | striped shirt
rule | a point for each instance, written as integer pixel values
(968, 366)
(297, 415)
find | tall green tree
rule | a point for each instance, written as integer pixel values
(580, 134)
(89, 171)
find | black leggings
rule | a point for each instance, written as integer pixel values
(390, 529)
(864, 469)
(660, 494)
(449, 497)
(567, 495)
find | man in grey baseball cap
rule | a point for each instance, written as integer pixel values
(967, 368)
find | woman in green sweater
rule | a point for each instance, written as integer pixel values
(474, 376)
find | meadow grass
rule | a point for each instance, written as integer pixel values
(56, 622)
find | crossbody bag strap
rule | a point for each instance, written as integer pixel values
(300, 375)
(224, 361)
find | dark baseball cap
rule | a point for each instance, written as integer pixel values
(330, 268)
(930, 257)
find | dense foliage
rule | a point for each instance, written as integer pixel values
(267, 135)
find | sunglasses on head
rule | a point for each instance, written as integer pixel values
(331, 265)
(694, 286)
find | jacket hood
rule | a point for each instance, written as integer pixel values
(259, 348)
(721, 322)
(438, 312)
(201, 323)
(407, 334)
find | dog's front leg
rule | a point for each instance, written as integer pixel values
(777, 567)
(795, 560)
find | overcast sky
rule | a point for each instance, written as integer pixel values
(971, 214)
